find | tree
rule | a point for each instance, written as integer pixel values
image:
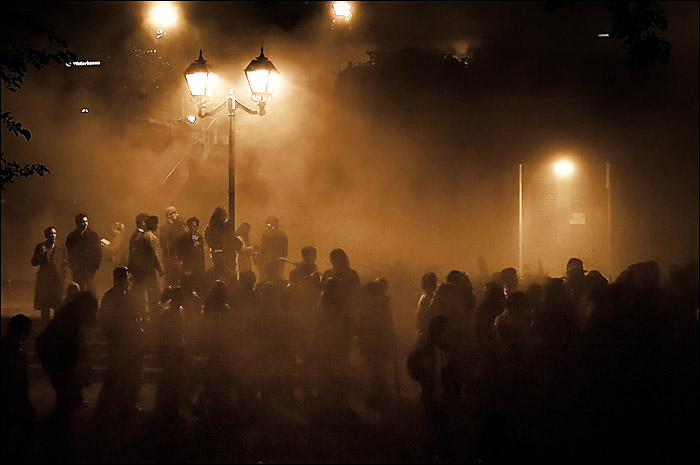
(635, 23)
(16, 56)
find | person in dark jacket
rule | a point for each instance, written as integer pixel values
(190, 249)
(120, 323)
(84, 253)
(273, 245)
(64, 352)
(220, 235)
(144, 263)
(52, 261)
(170, 232)
(18, 420)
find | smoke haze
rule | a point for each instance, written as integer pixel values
(403, 175)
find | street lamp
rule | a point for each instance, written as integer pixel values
(262, 78)
(342, 14)
(564, 169)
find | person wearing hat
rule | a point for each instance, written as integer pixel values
(170, 232)
(273, 246)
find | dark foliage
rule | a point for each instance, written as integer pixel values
(17, 54)
(635, 23)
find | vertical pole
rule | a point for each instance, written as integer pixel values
(231, 106)
(609, 231)
(520, 219)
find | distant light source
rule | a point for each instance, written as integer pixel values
(191, 119)
(564, 168)
(200, 78)
(84, 110)
(604, 35)
(262, 78)
(163, 14)
(342, 14)
(342, 9)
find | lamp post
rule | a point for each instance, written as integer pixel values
(262, 78)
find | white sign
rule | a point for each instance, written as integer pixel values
(83, 63)
(577, 218)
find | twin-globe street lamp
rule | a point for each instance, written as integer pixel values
(262, 78)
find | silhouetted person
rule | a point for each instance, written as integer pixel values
(18, 420)
(509, 280)
(171, 353)
(219, 271)
(84, 253)
(271, 329)
(493, 303)
(273, 245)
(220, 235)
(244, 257)
(461, 325)
(246, 298)
(170, 232)
(431, 364)
(350, 281)
(333, 338)
(52, 261)
(428, 283)
(120, 321)
(512, 328)
(575, 283)
(144, 265)
(217, 332)
(63, 349)
(117, 251)
(190, 249)
(304, 293)
(377, 339)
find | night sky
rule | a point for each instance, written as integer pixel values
(394, 166)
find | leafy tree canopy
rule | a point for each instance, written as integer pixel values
(17, 54)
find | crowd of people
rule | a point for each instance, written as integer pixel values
(577, 367)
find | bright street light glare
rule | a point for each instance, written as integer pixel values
(164, 14)
(341, 9)
(564, 168)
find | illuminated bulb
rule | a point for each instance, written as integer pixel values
(341, 9)
(191, 119)
(564, 168)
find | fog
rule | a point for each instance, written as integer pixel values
(412, 175)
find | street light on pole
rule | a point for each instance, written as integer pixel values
(262, 78)
(568, 208)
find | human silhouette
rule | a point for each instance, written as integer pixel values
(377, 339)
(18, 419)
(121, 325)
(84, 253)
(273, 245)
(63, 349)
(52, 260)
(429, 283)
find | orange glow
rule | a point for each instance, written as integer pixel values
(164, 14)
(564, 168)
